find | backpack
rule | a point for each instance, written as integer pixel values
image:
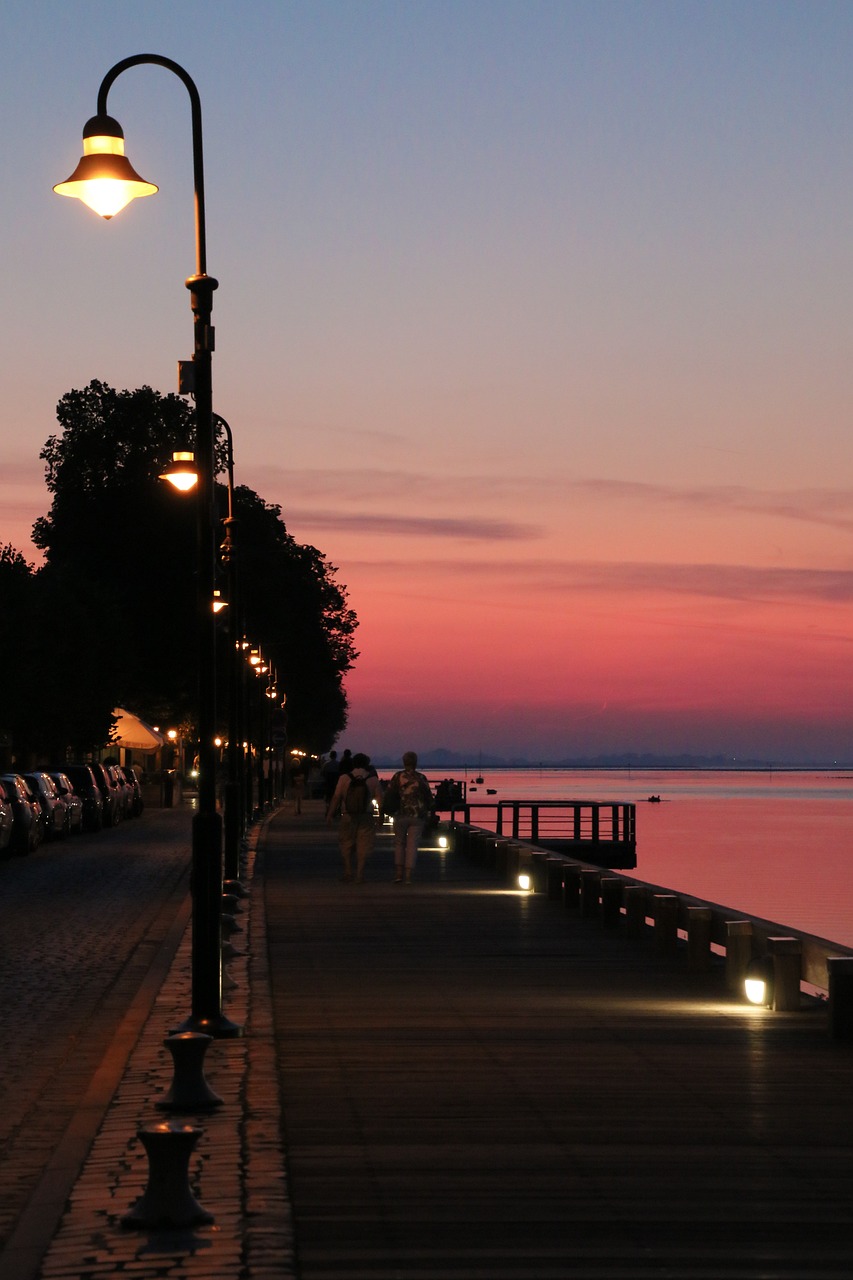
(357, 798)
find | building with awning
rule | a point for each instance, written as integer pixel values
(139, 742)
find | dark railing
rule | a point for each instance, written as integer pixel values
(669, 917)
(602, 832)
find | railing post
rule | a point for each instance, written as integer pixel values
(554, 876)
(666, 921)
(699, 938)
(840, 971)
(738, 952)
(499, 857)
(571, 885)
(786, 954)
(635, 910)
(611, 901)
(538, 870)
(590, 882)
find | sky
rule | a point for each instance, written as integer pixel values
(535, 317)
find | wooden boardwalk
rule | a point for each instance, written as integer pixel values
(478, 1084)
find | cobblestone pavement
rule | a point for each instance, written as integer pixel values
(73, 1228)
(82, 920)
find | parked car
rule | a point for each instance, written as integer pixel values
(113, 808)
(83, 781)
(53, 807)
(135, 783)
(73, 802)
(125, 790)
(28, 825)
(7, 821)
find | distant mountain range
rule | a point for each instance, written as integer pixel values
(443, 758)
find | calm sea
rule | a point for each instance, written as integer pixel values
(773, 844)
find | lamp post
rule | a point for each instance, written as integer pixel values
(228, 549)
(105, 180)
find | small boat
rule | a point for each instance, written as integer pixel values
(654, 799)
(491, 791)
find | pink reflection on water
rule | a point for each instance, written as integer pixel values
(772, 844)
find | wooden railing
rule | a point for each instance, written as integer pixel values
(602, 832)
(670, 920)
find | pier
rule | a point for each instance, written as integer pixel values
(479, 1082)
(601, 832)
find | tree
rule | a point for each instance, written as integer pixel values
(300, 613)
(119, 549)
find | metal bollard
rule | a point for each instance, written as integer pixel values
(230, 925)
(236, 887)
(190, 1090)
(168, 1200)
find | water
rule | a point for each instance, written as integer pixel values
(775, 844)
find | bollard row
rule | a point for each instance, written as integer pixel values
(168, 1202)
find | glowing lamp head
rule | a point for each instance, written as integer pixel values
(181, 472)
(524, 882)
(443, 842)
(105, 180)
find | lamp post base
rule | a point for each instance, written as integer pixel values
(220, 1027)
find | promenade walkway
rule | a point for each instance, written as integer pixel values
(452, 1081)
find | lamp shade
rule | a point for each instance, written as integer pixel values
(182, 471)
(104, 179)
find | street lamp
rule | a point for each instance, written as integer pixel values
(105, 181)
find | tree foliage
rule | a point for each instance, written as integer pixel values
(110, 617)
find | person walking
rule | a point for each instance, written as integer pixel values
(331, 772)
(409, 799)
(353, 800)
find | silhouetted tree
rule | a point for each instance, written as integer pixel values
(119, 549)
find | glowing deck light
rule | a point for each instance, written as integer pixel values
(758, 982)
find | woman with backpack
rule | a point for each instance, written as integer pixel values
(353, 800)
(409, 800)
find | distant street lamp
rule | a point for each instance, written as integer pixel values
(105, 181)
(228, 550)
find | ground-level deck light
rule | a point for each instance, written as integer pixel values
(758, 981)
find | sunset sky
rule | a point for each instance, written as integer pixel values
(536, 317)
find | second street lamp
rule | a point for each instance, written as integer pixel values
(105, 180)
(228, 550)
